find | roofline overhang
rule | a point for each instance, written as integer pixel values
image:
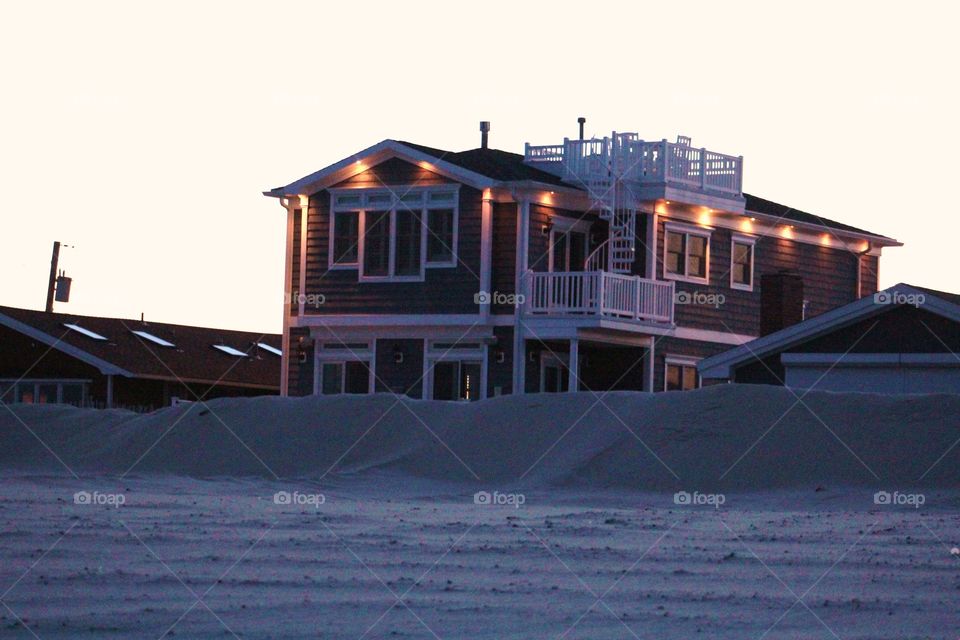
(861, 235)
(722, 366)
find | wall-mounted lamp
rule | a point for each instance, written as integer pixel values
(546, 228)
(500, 355)
(301, 352)
(398, 355)
(534, 355)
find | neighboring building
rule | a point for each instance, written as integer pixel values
(609, 263)
(904, 339)
(109, 362)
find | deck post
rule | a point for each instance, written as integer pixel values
(651, 355)
(574, 383)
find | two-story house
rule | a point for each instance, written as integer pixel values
(613, 263)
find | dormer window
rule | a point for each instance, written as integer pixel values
(393, 234)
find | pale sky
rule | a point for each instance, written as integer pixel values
(143, 134)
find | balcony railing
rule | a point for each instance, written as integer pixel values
(599, 293)
(642, 161)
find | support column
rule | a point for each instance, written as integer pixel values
(574, 383)
(651, 359)
(287, 301)
(109, 392)
(486, 251)
(301, 289)
(519, 341)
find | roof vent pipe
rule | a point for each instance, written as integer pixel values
(582, 121)
(484, 133)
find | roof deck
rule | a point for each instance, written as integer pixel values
(656, 170)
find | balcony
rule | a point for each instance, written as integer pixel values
(656, 169)
(599, 294)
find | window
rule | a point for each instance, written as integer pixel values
(351, 376)
(568, 248)
(681, 375)
(230, 350)
(456, 380)
(741, 263)
(346, 237)
(394, 234)
(687, 254)
(270, 349)
(408, 243)
(152, 338)
(82, 331)
(440, 236)
(376, 244)
(554, 373)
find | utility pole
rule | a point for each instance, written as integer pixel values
(52, 284)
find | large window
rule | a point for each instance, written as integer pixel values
(687, 254)
(741, 263)
(681, 375)
(393, 234)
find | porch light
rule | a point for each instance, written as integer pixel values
(501, 356)
(547, 228)
(398, 355)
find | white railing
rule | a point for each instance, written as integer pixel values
(624, 155)
(599, 293)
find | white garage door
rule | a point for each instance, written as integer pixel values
(873, 373)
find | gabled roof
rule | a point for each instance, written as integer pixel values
(483, 168)
(493, 163)
(721, 366)
(193, 357)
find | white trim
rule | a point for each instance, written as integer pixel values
(751, 241)
(687, 230)
(721, 365)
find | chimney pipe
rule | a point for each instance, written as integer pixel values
(581, 120)
(484, 133)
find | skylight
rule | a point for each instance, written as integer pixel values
(230, 350)
(81, 330)
(272, 350)
(152, 338)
